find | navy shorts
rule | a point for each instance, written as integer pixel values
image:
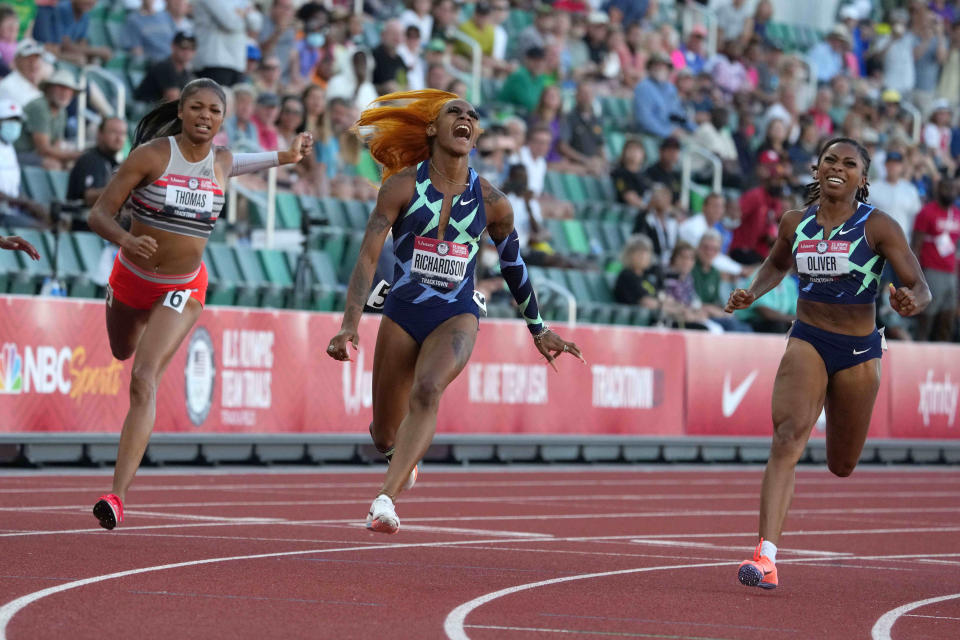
(420, 320)
(839, 351)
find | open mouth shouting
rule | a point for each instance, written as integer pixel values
(462, 130)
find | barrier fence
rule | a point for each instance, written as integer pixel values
(252, 371)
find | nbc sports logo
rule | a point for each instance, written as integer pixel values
(11, 369)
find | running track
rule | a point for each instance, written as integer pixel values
(558, 553)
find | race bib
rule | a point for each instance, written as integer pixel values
(439, 264)
(378, 297)
(823, 260)
(189, 197)
(177, 300)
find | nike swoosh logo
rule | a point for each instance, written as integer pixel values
(856, 353)
(467, 201)
(732, 399)
(845, 232)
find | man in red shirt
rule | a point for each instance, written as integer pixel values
(760, 211)
(935, 234)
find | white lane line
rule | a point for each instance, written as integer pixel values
(881, 630)
(453, 626)
(476, 532)
(720, 547)
(11, 608)
(182, 516)
(917, 615)
(609, 634)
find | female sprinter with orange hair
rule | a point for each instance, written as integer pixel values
(438, 207)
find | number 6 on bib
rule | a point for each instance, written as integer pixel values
(177, 300)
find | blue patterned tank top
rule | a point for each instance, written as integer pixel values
(435, 271)
(841, 269)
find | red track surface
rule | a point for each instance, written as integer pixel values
(464, 536)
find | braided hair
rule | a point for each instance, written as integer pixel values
(812, 190)
(163, 121)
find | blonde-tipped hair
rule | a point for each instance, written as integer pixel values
(397, 134)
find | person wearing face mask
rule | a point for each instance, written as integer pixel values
(15, 210)
(656, 104)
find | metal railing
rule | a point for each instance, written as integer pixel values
(686, 170)
(543, 283)
(271, 221)
(120, 92)
(476, 65)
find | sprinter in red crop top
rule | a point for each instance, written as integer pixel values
(172, 185)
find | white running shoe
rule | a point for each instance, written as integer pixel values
(412, 480)
(383, 516)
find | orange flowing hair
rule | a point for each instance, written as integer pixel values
(397, 134)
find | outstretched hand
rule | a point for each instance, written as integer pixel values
(550, 345)
(739, 299)
(16, 243)
(903, 301)
(337, 349)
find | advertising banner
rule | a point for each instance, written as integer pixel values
(924, 385)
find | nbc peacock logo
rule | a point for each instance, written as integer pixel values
(11, 369)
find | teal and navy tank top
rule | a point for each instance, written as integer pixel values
(430, 270)
(841, 269)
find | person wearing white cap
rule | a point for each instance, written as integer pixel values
(45, 121)
(937, 134)
(15, 210)
(21, 85)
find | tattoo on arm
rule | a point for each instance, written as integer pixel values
(501, 225)
(357, 292)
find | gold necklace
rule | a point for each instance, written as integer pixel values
(459, 184)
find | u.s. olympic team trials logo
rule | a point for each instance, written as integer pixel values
(199, 375)
(193, 183)
(11, 369)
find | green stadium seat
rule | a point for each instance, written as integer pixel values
(574, 187)
(333, 242)
(59, 180)
(615, 142)
(607, 191)
(553, 185)
(271, 295)
(591, 187)
(288, 211)
(613, 237)
(357, 214)
(37, 184)
(328, 293)
(36, 271)
(577, 284)
(558, 237)
(218, 291)
(351, 252)
(89, 247)
(576, 236)
(332, 210)
(229, 274)
(599, 286)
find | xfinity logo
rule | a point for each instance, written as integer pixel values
(357, 385)
(938, 398)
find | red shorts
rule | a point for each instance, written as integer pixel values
(141, 289)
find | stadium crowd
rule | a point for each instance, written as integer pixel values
(613, 94)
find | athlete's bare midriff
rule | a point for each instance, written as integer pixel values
(848, 319)
(176, 253)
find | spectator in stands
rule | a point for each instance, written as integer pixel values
(222, 51)
(930, 52)
(895, 51)
(62, 27)
(446, 17)
(490, 159)
(803, 153)
(656, 106)
(533, 156)
(710, 218)
(937, 135)
(548, 114)
(715, 136)
(516, 129)
(418, 14)
(732, 18)
(354, 84)
(482, 29)
(760, 209)
(775, 138)
(314, 45)
(389, 72)
(268, 77)
(148, 33)
(412, 52)
(164, 79)
(776, 310)
(9, 35)
(707, 282)
(540, 33)
(93, 170)
(949, 85)
(666, 170)
(278, 37)
(681, 304)
(438, 77)
(659, 223)
(179, 11)
(289, 121)
(242, 132)
(828, 55)
(629, 180)
(264, 118)
(22, 84)
(524, 86)
(640, 281)
(582, 142)
(757, 25)
(528, 220)
(895, 195)
(41, 142)
(935, 235)
(692, 54)
(727, 71)
(15, 210)
(820, 110)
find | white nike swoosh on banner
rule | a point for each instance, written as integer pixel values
(732, 399)
(856, 353)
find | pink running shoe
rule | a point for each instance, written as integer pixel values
(109, 511)
(758, 572)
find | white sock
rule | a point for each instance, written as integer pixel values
(769, 549)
